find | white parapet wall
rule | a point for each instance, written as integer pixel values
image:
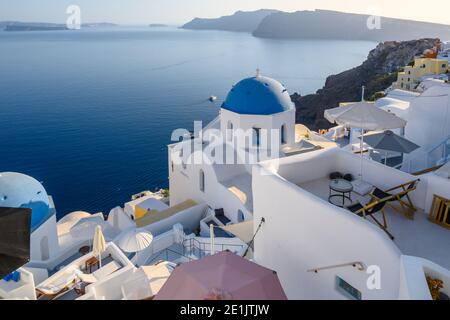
(189, 218)
(23, 289)
(302, 233)
(414, 284)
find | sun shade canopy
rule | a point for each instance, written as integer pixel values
(223, 276)
(390, 141)
(364, 115)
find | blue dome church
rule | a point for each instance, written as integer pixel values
(262, 106)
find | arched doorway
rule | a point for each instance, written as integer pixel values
(202, 180)
(45, 254)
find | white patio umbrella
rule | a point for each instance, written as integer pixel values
(366, 116)
(134, 240)
(99, 244)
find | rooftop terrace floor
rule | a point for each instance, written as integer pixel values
(418, 237)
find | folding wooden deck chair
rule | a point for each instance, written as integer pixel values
(373, 207)
(52, 292)
(400, 194)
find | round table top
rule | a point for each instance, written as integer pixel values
(84, 250)
(341, 185)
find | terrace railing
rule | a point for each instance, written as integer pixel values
(356, 264)
(166, 253)
(200, 249)
(434, 158)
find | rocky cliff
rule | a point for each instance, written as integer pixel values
(376, 73)
(239, 22)
(325, 24)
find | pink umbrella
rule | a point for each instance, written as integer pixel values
(223, 276)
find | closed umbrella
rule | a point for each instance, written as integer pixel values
(15, 225)
(365, 116)
(223, 276)
(99, 243)
(134, 241)
(389, 141)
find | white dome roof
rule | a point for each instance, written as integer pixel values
(74, 216)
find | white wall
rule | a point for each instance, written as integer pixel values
(268, 122)
(301, 233)
(47, 229)
(189, 218)
(119, 220)
(24, 289)
(428, 121)
(184, 184)
(414, 271)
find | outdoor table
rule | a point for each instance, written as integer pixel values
(341, 189)
(90, 263)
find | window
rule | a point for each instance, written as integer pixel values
(256, 136)
(347, 290)
(45, 250)
(241, 217)
(202, 181)
(444, 66)
(283, 134)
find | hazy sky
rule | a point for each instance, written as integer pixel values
(180, 11)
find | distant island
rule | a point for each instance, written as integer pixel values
(31, 26)
(44, 26)
(320, 24)
(239, 22)
(157, 25)
(99, 25)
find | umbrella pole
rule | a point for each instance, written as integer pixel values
(361, 151)
(211, 234)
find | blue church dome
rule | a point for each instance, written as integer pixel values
(258, 96)
(21, 191)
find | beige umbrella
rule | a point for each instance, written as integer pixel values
(134, 240)
(99, 244)
(366, 116)
(243, 230)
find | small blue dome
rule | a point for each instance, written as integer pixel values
(21, 191)
(259, 96)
